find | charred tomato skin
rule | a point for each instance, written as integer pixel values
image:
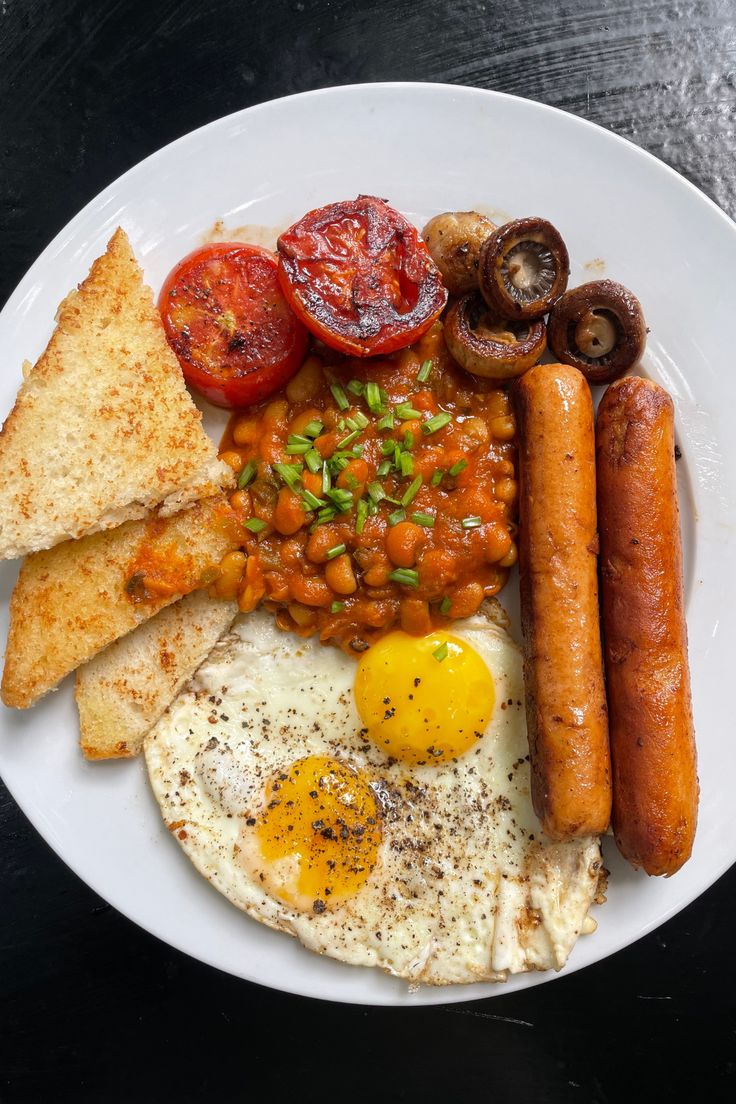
(226, 318)
(359, 277)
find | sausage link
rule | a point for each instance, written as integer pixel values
(655, 785)
(563, 667)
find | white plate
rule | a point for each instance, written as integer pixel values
(426, 148)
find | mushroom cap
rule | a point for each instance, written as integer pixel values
(454, 241)
(524, 268)
(579, 310)
(490, 348)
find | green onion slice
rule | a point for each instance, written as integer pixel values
(255, 525)
(411, 490)
(336, 550)
(407, 576)
(442, 652)
(247, 475)
(290, 474)
(339, 396)
(472, 522)
(439, 421)
(423, 373)
(313, 460)
(406, 412)
(337, 607)
(445, 606)
(396, 516)
(459, 467)
(427, 520)
(373, 397)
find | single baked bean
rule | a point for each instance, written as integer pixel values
(340, 576)
(510, 558)
(246, 431)
(232, 566)
(506, 490)
(311, 414)
(466, 600)
(233, 460)
(320, 542)
(497, 541)
(302, 615)
(307, 382)
(403, 542)
(289, 514)
(503, 428)
(414, 613)
(310, 590)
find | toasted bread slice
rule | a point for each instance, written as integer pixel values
(103, 428)
(73, 600)
(123, 691)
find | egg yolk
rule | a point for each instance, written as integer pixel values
(423, 699)
(324, 813)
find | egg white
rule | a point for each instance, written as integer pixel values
(466, 887)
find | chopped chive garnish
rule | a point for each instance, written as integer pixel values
(339, 396)
(386, 422)
(247, 475)
(355, 387)
(472, 522)
(383, 468)
(326, 480)
(411, 490)
(349, 439)
(376, 491)
(255, 525)
(338, 463)
(437, 477)
(406, 412)
(442, 652)
(313, 460)
(298, 446)
(372, 508)
(445, 607)
(388, 446)
(357, 450)
(311, 501)
(313, 428)
(459, 467)
(407, 576)
(397, 516)
(406, 464)
(427, 520)
(290, 474)
(423, 373)
(384, 396)
(373, 397)
(352, 424)
(337, 607)
(351, 481)
(336, 550)
(439, 421)
(342, 499)
(327, 513)
(361, 515)
(360, 419)
(408, 439)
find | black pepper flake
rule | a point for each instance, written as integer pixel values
(678, 452)
(318, 907)
(417, 681)
(212, 743)
(250, 821)
(386, 701)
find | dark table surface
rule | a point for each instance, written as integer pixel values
(93, 1008)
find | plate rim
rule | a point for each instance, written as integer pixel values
(444, 995)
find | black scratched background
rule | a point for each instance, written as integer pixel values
(93, 1009)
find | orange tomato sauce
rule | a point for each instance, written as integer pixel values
(399, 508)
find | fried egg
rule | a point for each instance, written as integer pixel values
(379, 811)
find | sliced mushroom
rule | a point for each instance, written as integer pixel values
(598, 328)
(454, 240)
(486, 347)
(524, 268)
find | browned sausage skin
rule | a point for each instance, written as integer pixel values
(563, 667)
(655, 786)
